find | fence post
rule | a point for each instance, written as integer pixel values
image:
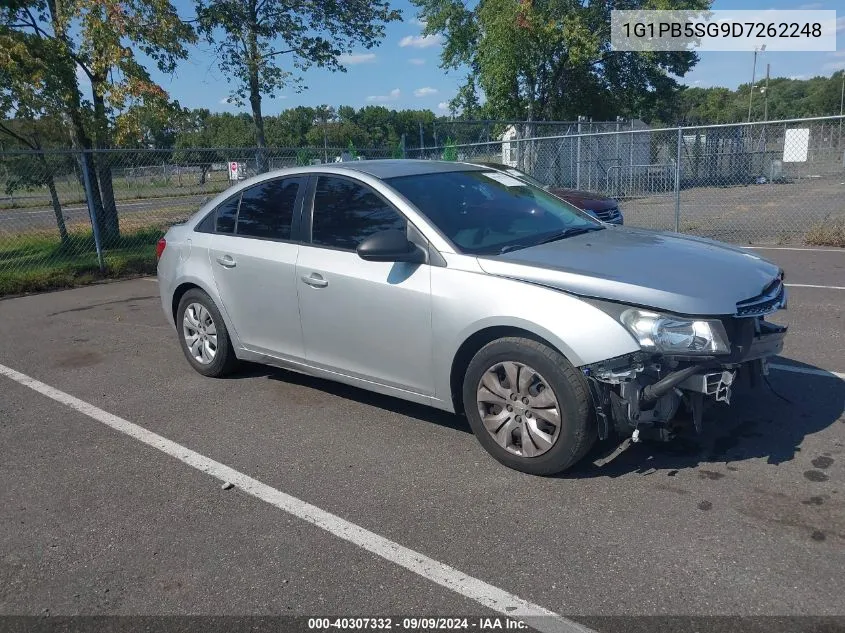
(89, 199)
(422, 140)
(578, 156)
(678, 182)
(404, 150)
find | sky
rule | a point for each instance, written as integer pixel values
(403, 72)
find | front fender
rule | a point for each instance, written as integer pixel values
(465, 302)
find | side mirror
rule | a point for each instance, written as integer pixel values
(390, 246)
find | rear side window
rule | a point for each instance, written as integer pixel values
(267, 209)
(346, 213)
(226, 215)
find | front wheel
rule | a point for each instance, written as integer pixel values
(528, 406)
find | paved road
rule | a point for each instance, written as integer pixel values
(748, 520)
(44, 218)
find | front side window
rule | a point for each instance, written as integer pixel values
(267, 209)
(226, 214)
(489, 212)
(347, 212)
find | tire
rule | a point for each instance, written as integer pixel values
(537, 367)
(224, 360)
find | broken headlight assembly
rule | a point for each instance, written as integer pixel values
(672, 335)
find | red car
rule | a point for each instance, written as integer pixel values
(599, 206)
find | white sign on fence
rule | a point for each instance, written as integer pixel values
(234, 169)
(796, 142)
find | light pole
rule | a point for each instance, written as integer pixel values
(766, 95)
(841, 101)
(757, 49)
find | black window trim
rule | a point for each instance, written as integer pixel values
(308, 213)
(296, 236)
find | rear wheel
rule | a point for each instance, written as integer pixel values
(528, 406)
(203, 335)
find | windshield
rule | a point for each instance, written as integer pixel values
(488, 212)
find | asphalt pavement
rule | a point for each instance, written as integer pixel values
(747, 520)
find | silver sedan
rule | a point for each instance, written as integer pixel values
(463, 288)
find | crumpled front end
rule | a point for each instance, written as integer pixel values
(655, 392)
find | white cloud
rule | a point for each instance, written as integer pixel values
(810, 6)
(393, 96)
(443, 106)
(797, 77)
(416, 61)
(425, 92)
(224, 101)
(356, 58)
(418, 22)
(839, 64)
(840, 23)
(420, 41)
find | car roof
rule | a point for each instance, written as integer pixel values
(393, 168)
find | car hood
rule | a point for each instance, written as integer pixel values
(665, 271)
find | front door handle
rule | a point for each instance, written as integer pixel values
(315, 280)
(227, 261)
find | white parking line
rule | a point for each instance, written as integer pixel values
(814, 286)
(806, 370)
(481, 592)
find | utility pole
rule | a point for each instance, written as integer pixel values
(766, 95)
(753, 79)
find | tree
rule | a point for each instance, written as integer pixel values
(251, 37)
(29, 91)
(289, 128)
(784, 98)
(102, 39)
(28, 133)
(551, 59)
(337, 134)
(202, 134)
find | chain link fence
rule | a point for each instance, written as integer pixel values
(762, 183)
(48, 238)
(779, 182)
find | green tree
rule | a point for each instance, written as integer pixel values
(551, 59)
(203, 134)
(102, 39)
(337, 134)
(251, 36)
(30, 94)
(289, 128)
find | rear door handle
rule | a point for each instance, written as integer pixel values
(227, 261)
(315, 280)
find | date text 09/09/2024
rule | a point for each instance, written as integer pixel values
(416, 624)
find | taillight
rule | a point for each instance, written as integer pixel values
(160, 247)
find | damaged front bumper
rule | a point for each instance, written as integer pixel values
(647, 394)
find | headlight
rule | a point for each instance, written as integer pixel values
(675, 335)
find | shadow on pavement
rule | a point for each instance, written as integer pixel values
(759, 423)
(387, 403)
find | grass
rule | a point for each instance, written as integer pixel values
(36, 262)
(830, 233)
